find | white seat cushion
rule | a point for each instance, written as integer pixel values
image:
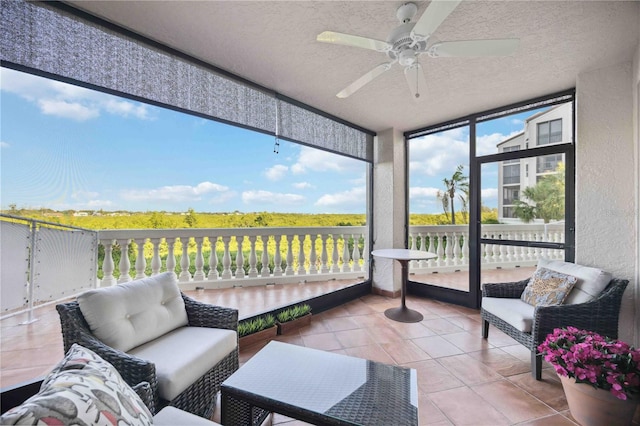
(513, 311)
(127, 315)
(172, 416)
(184, 355)
(591, 281)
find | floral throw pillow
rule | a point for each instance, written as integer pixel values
(83, 389)
(547, 287)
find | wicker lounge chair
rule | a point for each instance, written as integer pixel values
(200, 396)
(599, 315)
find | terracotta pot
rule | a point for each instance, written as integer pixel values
(596, 407)
(286, 327)
(251, 339)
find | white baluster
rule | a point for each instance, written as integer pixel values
(355, 254)
(107, 265)
(226, 259)
(313, 257)
(465, 249)
(213, 259)
(422, 263)
(456, 249)
(239, 258)
(440, 252)
(346, 267)
(301, 259)
(199, 274)
(431, 247)
(125, 264)
(253, 260)
(414, 246)
(335, 255)
(141, 262)
(277, 258)
(496, 252)
(289, 268)
(171, 258)
(449, 249)
(185, 275)
(156, 262)
(265, 272)
(324, 256)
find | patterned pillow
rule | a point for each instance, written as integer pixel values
(83, 389)
(547, 287)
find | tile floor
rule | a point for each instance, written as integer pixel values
(462, 379)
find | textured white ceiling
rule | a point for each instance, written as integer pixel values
(273, 43)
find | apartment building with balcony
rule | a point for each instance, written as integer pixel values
(552, 126)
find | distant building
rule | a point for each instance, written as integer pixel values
(549, 127)
(81, 214)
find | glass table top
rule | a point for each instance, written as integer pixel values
(351, 389)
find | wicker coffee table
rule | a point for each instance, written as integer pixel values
(319, 387)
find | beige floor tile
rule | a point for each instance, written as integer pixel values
(441, 326)
(371, 352)
(432, 377)
(341, 323)
(466, 341)
(501, 362)
(436, 346)
(468, 370)
(548, 390)
(465, 407)
(324, 341)
(354, 338)
(405, 353)
(513, 402)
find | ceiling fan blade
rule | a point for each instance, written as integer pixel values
(502, 47)
(436, 13)
(416, 81)
(353, 40)
(357, 85)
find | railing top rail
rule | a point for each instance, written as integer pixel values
(42, 222)
(226, 232)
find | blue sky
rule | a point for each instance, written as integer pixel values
(65, 147)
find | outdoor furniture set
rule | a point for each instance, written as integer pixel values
(143, 352)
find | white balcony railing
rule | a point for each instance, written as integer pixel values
(236, 256)
(43, 262)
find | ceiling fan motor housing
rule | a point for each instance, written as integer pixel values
(403, 47)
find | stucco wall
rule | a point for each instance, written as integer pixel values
(606, 180)
(636, 130)
(388, 207)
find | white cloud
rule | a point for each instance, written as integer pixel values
(68, 101)
(422, 192)
(517, 121)
(353, 197)
(489, 194)
(320, 161)
(267, 197)
(72, 110)
(486, 144)
(4, 144)
(302, 185)
(276, 172)
(177, 193)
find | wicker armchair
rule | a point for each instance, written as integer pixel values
(200, 397)
(599, 315)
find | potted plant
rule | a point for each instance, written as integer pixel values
(600, 376)
(254, 330)
(293, 318)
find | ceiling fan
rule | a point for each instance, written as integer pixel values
(409, 40)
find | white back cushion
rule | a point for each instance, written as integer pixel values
(130, 314)
(591, 281)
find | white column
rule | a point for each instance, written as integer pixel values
(156, 262)
(265, 257)
(107, 265)
(355, 254)
(239, 258)
(185, 275)
(141, 263)
(313, 257)
(301, 259)
(335, 256)
(324, 257)
(346, 267)
(125, 264)
(226, 259)
(277, 258)
(253, 260)
(199, 274)
(171, 259)
(289, 268)
(213, 259)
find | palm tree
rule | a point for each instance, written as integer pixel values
(458, 182)
(543, 201)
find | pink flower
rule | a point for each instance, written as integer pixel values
(591, 358)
